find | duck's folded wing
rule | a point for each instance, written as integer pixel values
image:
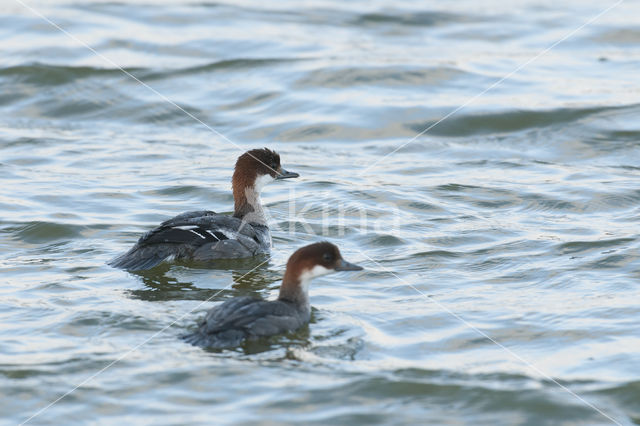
(218, 330)
(187, 216)
(220, 226)
(198, 235)
(240, 313)
(173, 238)
(195, 230)
(240, 318)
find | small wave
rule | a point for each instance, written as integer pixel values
(627, 35)
(419, 19)
(574, 247)
(504, 122)
(430, 254)
(379, 76)
(541, 203)
(383, 240)
(235, 64)
(51, 75)
(41, 232)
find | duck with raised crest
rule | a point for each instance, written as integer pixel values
(245, 318)
(205, 235)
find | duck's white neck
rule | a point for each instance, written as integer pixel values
(297, 290)
(249, 206)
(254, 212)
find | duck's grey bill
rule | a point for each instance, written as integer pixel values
(286, 175)
(346, 266)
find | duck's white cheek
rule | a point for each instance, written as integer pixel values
(319, 270)
(309, 274)
(262, 180)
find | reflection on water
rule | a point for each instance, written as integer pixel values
(160, 284)
(518, 213)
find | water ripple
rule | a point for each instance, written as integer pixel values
(518, 213)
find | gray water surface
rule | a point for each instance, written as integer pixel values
(501, 247)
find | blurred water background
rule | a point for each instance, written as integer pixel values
(517, 216)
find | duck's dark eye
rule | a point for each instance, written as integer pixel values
(274, 166)
(327, 257)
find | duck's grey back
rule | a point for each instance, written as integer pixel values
(241, 318)
(198, 235)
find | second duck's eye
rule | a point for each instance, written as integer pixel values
(327, 257)
(274, 166)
